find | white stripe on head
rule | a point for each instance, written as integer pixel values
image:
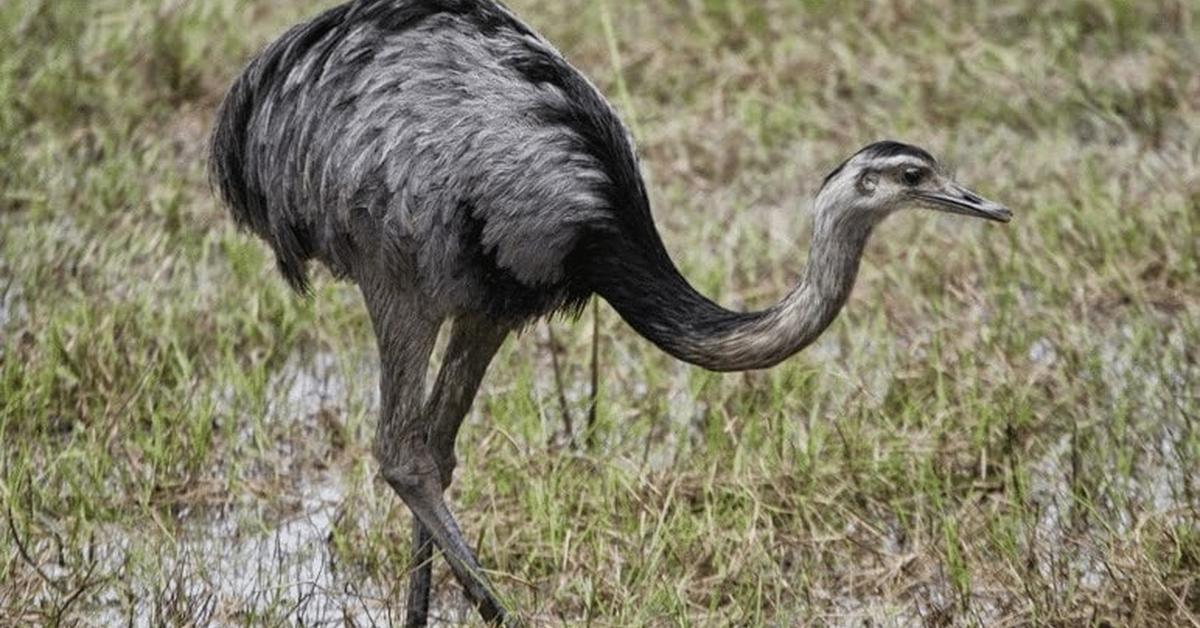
(882, 155)
(890, 163)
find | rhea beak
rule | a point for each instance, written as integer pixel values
(956, 199)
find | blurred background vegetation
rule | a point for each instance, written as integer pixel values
(1002, 428)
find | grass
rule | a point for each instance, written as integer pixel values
(1001, 429)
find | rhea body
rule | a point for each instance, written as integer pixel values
(445, 158)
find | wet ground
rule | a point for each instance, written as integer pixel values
(274, 555)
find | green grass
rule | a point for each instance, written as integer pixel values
(1003, 428)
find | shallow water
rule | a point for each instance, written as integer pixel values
(242, 558)
(253, 557)
(12, 306)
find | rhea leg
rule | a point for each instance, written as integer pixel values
(415, 480)
(407, 461)
(473, 344)
(420, 579)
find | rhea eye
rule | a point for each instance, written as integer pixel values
(913, 177)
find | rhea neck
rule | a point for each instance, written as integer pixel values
(648, 291)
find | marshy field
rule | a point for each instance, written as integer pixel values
(1002, 428)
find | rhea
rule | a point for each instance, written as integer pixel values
(444, 157)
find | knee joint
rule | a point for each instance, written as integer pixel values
(407, 469)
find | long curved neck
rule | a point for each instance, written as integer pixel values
(639, 280)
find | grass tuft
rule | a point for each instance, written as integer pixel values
(1003, 428)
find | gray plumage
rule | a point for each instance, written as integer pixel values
(446, 159)
(414, 146)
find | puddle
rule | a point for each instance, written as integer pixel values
(244, 561)
(1123, 494)
(1042, 353)
(287, 565)
(1136, 472)
(12, 306)
(311, 383)
(244, 564)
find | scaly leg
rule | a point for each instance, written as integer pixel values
(473, 344)
(407, 461)
(417, 613)
(412, 472)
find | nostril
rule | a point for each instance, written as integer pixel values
(971, 198)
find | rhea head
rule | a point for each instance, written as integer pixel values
(885, 177)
